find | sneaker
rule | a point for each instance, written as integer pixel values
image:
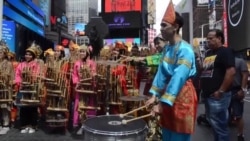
(31, 130)
(241, 138)
(4, 130)
(25, 130)
(79, 132)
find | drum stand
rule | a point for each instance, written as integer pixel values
(107, 91)
(154, 133)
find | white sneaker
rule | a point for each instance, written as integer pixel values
(25, 130)
(31, 130)
(4, 130)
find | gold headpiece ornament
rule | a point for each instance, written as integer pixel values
(11, 54)
(49, 52)
(35, 49)
(169, 16)
(4, 47)
(73, 46)
(84, 48)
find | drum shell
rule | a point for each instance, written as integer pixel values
(91, 134)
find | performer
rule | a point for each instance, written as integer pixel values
(82, 63)
(49, 55)
(177, 106)
(6, 77)
(59, 52)
(28, 114)
(12, 59)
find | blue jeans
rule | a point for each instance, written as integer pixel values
(217, 115)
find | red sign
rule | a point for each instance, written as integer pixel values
(122, 5)
(225, 23)
(65, 42)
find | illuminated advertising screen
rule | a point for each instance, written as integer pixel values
(122, 5)
(8, 34)
(122, 20)
(123, 40)
(44, 5)
(80, 29)
(23, 21)
(28, 11)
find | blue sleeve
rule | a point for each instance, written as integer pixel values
(158, 83)
(185, 59)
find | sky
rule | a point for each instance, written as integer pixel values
(161, 6)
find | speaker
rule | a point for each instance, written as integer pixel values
(237, 22)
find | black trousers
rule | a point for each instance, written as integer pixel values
(28, 116)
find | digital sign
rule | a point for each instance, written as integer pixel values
(122, 19)
(8, 34)
(123, 40)
(80, 29)
(44, 5)
(23, 21)
(34, 7)
(27, 11)
(122, 5)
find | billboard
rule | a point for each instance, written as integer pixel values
(122, 5)
(122, 20)
(8, 34)
(29, 12)
(23, 21)
(238, 21)
(45, 6)
(151, 11)
(80, 29)
(123, 40)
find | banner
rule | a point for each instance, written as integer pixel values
(8, 34)
(151, 12)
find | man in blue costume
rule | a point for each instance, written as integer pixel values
(172, 84)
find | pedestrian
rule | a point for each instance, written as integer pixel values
(172, 84)
(6, 77)
(24, 72)
(216, 80)
(239, 89)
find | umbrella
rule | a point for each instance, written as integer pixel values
(97, 28)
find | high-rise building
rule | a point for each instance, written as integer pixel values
(80, 12)
(77, 12)
(93, 8)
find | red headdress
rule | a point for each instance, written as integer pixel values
(169, 15)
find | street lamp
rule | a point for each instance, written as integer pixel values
(202, 32)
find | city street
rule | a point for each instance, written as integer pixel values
(202, 133)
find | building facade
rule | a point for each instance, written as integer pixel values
(77, 12)
(201, 17)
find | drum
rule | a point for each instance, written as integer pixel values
(110, 128)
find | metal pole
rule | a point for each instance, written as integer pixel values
(1, 17)
(202, 35)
